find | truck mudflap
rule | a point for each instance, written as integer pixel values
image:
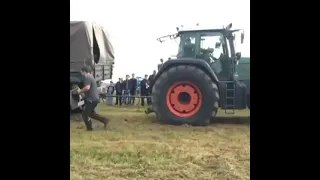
(76, 100)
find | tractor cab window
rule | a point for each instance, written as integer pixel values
(238, 46)
(211, 49)
(211, 46)
(229, 50)
(187, 46)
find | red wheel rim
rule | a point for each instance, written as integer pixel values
(184, 99)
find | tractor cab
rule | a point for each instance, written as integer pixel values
(215, 46)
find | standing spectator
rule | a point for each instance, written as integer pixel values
(151, 77)
(150, 83)
(119, 89)
(144, 88)
(123, 89)
(127, 88)
(110, 92)
(134, 83)
(102, 90)
(161, 63)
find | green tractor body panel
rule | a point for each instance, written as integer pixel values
(244, 68)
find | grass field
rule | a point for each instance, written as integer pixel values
(134, 147)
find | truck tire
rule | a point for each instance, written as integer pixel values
(185, 94)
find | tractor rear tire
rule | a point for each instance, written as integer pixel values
(185, 94)
(214, 114)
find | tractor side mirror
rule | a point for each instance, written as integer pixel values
(242, 37)
(229, 26)
(218, 44)
(238, 56)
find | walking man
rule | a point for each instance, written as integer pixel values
(91, 100)
(133, 83)
(144, 88)
(118, 88)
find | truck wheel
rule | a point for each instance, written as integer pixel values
(185, 95)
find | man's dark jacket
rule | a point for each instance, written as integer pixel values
(118, 87)
(143, 86)
(133, 82)
(126, 85)
(150, 79)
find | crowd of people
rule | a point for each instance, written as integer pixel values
(126, 90)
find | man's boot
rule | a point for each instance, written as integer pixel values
(87, 122)
(102, 119)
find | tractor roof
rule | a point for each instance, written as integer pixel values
(182, 30)
(198, 29)
(201, 30)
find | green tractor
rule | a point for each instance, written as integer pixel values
(203, 77)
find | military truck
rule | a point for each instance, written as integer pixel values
(203, 77)
(89, 46)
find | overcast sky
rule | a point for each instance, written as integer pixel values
(134, 26)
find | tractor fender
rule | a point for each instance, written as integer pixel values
(248, 94)
(242, 93)
(246, 84)
(199, 63)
